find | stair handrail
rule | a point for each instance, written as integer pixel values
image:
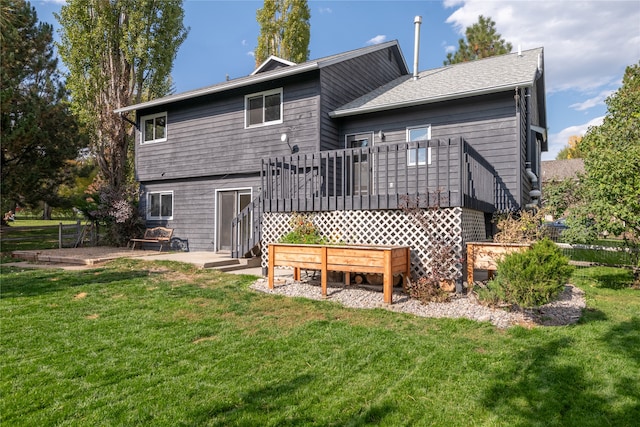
(246, 229)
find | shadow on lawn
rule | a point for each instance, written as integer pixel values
(253, 405)
(40, 282)
(277, 403)
(542, 391)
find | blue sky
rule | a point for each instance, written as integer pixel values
(588, 44)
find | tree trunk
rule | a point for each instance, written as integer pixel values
(46, 211)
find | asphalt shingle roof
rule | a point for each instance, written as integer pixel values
(487, 75)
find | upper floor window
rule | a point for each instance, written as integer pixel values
(160, 205)
(263, 108)
(419, 155)
(154, 128)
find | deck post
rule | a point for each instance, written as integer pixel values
(323, 271)
(272, 260)
(387, 287)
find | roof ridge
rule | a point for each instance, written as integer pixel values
(488, 58)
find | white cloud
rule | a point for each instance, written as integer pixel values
(557, 141)
(251, 54)
(448, 48)
(377, 39)
(61, 2)
(597, 100)
(323, 10)
(587, 44)
(243, 42)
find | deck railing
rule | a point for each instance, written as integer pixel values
(435, 173)
(388, 176)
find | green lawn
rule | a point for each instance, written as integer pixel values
(35, 234)
(157, 343)
(41, 222)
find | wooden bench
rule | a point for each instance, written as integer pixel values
(160, 235)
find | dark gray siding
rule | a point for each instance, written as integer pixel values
(194, 207)
(207, 136)
(487, 123)
(343, 82)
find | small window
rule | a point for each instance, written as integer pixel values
(154, 128)
(160, 205)
(263, 108)
(422, 155)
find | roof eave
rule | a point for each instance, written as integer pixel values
(233, 84)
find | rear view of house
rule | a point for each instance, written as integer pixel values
(350, 138)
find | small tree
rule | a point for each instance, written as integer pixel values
(442, 260)
(560, 195)
(482, 41)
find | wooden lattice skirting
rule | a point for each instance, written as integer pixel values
(386, 227)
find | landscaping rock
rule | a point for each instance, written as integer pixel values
(566, 310)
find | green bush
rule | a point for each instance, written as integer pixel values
(530, 278)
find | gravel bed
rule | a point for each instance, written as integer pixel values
(566, 310)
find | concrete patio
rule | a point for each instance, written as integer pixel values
(82, 258)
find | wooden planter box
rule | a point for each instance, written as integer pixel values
(385, 260)
(484, 255)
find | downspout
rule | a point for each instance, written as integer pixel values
(535, 192)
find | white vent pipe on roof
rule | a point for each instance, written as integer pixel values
(417, 21)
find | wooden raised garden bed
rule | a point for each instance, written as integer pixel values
(385, 260)
(484, 255)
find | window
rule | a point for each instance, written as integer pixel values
(419, 155)
(154, 128)
(263, 108)
(160, 205)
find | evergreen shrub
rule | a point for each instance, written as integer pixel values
(529, 279)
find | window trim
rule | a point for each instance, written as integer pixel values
(148, 207)
(410, 150)
(143, 119)
(263, 94)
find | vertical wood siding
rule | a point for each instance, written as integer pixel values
(348, 80)
(208, 137)
(489, 124)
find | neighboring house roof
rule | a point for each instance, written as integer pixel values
(482, 76)
(558, 170)
(263, 76)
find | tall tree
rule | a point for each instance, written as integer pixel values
(482, 41)
(118, 52)
(612, 164)
(39, 132)
(285, 30)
